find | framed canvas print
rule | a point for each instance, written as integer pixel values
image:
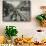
(16, 10)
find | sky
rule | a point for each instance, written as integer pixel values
(13, 2)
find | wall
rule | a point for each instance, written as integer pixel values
(25, 28)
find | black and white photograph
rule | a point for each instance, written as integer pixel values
(16, 10)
